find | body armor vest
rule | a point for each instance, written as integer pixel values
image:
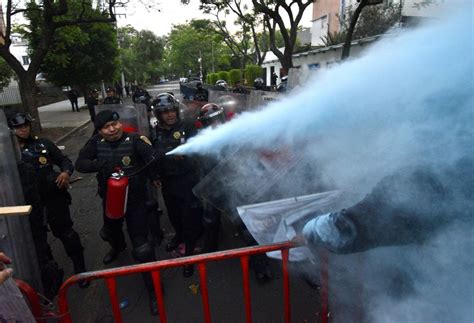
(167, 140)
(120, 156)
(37, 154)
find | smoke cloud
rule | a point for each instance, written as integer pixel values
(408, 101)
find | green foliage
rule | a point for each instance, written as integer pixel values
(187, 42)
(142, 54)
(334, 38)
(234, 76)
(6, 73)
(373, 20)
(214, 77)
(252, 72)
(80, 55)
(223, 75)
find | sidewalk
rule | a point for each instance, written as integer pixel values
(60, 114)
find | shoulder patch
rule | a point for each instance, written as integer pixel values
(102, 140)
(36, 137)
(146, 140)
(127, 139)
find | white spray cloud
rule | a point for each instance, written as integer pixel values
(407, 100)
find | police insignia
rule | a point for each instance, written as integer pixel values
(145, 139)
(43, 160)
(126, 160)
(177, 135)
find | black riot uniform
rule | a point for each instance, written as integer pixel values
(111, 97)
(51, 274)
(130, 154)
(44, 155)
(112, 100)
(134, 155)
(178, 177)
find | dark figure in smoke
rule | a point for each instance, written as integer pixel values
(409, 206)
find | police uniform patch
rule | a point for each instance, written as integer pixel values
(126, 160)
(177, 135)
(145, 139)
(43, 160)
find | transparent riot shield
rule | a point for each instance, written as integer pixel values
(258, 99)
(233, 103)
(189, 109)
(134, 118)
(15, 234)
(244, 177)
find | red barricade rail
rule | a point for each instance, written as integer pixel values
(110, 275)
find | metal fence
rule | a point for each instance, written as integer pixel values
(10, 95)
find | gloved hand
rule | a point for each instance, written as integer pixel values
(333, 231)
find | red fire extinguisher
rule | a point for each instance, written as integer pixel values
(117, 195)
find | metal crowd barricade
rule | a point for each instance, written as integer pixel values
(110, 275)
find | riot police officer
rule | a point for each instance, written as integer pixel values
(201, 94)
(111, 97)
(210, 115)
(259, 84)
(140, 95)
(104, 153)
(178, 175)
(45, 157)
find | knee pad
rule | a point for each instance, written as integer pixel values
(143, 253)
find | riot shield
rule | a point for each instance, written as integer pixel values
(244, 177)
(189, 109)
(15, 233)
(232, 103)
(134, 118)
(259, 98)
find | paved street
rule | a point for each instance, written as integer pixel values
(182, 303)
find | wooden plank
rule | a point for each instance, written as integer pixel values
(15, 210)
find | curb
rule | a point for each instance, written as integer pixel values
(73, 131)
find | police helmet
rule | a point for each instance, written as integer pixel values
(221, 83)
(211, 113)
(165, 102)
(259, 83)
(19, 119)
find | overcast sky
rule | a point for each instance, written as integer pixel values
(172, 12)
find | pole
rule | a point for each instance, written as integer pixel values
(200, 66)
(212, 53)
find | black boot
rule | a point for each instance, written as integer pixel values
(173, 243)
(111, 256)
(80, 267)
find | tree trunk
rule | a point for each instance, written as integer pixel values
(346, 49)
(27, 86)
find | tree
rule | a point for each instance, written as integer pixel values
(142, 54)
(80, 55)
(6, 74)
(274, 12)
(187, 42)
(374, 20)
(52, 16)
(248, 43)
